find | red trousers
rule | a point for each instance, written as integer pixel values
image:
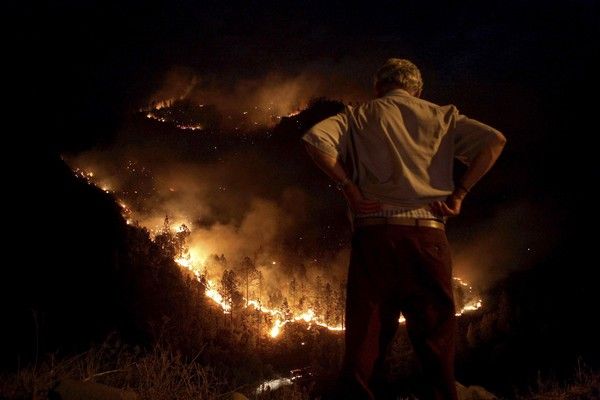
(397, 269)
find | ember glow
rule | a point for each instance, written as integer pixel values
(276, 329)
(472, 302)
(279, 320)
(186, 115)
(195, 255)
(308, 316)
(215, 296)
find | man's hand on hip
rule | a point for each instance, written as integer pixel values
(358, 204)
(448, 208)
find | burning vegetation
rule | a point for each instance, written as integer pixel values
(231, 210)
(246, 287)
(187, 115)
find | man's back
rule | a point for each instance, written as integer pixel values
(400, 148)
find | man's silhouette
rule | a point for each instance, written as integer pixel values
(393, 158)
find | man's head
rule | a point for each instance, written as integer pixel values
(398, 73)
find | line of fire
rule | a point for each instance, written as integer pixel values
(240, 287)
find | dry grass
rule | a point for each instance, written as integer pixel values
(585, 385)
(161, 374)
(156, 374)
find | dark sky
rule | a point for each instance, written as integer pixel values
(486, 56)
(523, 67)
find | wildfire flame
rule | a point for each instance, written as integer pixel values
(276, 329)
(279, 320)
(195, 258)
(161, 111)
(472, 305)
(309, 317)
(215, 296)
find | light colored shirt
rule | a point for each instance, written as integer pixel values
(400, 148)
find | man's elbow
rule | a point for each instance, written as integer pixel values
(310, 149)
(499, 140)
(308, 146)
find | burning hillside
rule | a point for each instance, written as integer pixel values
(238, 211)
(245, 278)
(191, 102)
(187, 115)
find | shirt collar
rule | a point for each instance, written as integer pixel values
(396, 92)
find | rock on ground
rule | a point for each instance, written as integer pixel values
(473, 393)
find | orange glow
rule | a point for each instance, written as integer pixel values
(215, 296)
(474, 304)
(308, 316)
(185, 262)
(276, 329)
(195, 255)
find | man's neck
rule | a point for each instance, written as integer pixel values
(394, 91)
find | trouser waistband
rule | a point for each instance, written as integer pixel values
(419, 222)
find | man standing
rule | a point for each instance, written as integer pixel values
(393, 158)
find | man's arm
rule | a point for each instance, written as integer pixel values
(479, 166)
(334, 169)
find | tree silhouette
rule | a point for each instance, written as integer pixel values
(230, 291)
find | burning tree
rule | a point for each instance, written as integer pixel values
(173, 242)
(252, 277)
(230, 291)
(240, 285)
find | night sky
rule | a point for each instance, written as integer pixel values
(522, 67)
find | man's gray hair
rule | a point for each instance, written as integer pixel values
(400, 72)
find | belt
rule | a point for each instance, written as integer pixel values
(419, 222)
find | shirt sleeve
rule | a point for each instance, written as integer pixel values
(329, 135)
(470, 137)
